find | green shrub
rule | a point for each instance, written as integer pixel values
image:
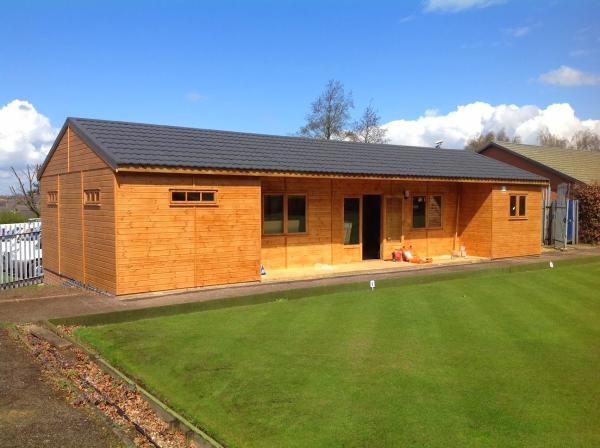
(589, 212)
(10, 217)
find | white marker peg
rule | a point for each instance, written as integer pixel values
(551, 265)
(372, 284)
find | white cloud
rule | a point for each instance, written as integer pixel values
(568, 76)
(25, 138)
(457, 5)
(406, 19)
(468, 121)
(519, 31)
(194, 97)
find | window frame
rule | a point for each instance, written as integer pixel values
(52, 198)
(285, 217)
(188, 203)
(92, 197)
(427, 197)
(360, 223)
(517, 216)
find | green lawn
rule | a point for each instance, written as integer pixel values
(489, 359)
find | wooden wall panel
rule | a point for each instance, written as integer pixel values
(155, 242)
(81, 158)
(71, 235)
(59, 161)
(228, 236)
(475, 219)
(516, 236)
(162, 247)
(296, 250)
(79, 241)
(99, 231)
(435, 241)
(49, 215)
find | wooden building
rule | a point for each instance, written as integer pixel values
(130, 208)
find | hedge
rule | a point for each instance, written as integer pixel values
(589, 212)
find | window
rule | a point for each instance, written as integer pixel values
(52, 197)
(351, 220)
(91, 197)
(518, 206)
(178, 196)
(296, 213)
(419, 212)
(273, 214)
(427, 212)
(284, 214)
(193, 197)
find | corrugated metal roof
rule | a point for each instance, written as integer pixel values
(123, 143)
(583, 166)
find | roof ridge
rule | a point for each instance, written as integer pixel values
(256, 134)
(535, 146)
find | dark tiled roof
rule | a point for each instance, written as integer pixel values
(121, 143)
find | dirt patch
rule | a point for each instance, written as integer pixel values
(34, 414)
(118, 401)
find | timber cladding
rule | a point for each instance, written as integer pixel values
(324, 243)
(79, 241)
(135, 232)
(473, 215)
(161, 246)
(516, 236)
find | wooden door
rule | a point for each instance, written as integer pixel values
(393, 219)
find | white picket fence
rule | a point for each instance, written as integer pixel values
(21, 260)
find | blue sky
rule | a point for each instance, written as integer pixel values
(256, 66)
(435, 69)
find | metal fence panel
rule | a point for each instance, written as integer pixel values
(21, 254)
(559, 219)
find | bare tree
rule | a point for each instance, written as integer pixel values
(329, 114)
(368, 128)
(585, 140)
(502, 136)
(27, 191)
(546, 138)
(482, 140)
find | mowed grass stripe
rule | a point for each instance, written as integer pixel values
(508, 359)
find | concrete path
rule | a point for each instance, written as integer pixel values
(73, 302)
(33, 414)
